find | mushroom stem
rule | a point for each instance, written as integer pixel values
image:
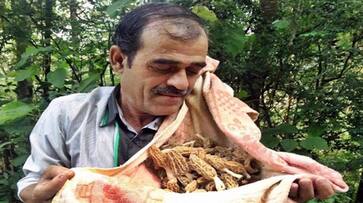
(219, 184)
(236, 175)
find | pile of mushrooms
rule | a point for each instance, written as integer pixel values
(201, 166)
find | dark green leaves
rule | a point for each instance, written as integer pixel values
(289, 144)
(314, 143)
(89, 83)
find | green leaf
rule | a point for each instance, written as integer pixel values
(281, 25)
(2, 145)
(89, 83)
(270, 141)
(242, 94)
(311, 143)
(315, 130)
(14, 110)
(289, 144)
(21, 75)
(62, 64)
(235, 42)
(344, 40)
(314, 34)
(57, 77)
(281, 129)
(30, 50)
(205, 13)
(116, 6)
(18, 161)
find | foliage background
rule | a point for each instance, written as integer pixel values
(297, 62)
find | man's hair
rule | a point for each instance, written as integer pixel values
(128, 31)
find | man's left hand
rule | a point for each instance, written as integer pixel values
(305, 189)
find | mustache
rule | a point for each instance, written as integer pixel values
(170, 91)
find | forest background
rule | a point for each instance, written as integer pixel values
(297, 62)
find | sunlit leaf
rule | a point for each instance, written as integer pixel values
(14, 110)
(344, 40)
(205, 13)
(31, 50)
(57, 77)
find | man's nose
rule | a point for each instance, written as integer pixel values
(179, 80)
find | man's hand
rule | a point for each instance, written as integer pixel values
(306, 189)
(49, 184)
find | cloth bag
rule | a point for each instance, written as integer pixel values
(211, 111)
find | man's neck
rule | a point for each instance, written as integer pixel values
(136, 119)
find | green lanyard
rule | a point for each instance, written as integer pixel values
(116, 139)
(116, 145)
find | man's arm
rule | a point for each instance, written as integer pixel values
(47, 148)
(49, 184)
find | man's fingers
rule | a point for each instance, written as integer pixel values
(46, 189)
(53, 171)
(323, 188)
(293, 191)
(306, 190)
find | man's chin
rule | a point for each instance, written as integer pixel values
(166, 110)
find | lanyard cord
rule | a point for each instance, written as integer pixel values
(116, 139)
(116, 145)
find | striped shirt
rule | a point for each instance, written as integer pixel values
(78, 130)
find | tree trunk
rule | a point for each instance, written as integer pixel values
(359, 197)
(22, 35)
(47, 43)
(260, 67)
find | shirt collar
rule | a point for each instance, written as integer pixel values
(113, 110)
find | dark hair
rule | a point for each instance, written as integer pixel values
(128, 31)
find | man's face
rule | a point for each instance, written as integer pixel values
(163, 72)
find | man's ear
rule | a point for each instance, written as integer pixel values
(117, 59)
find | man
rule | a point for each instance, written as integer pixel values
(160, 50)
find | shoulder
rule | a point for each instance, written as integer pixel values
(78, 105)
(92, 98)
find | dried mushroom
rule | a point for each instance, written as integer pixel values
(200, 165)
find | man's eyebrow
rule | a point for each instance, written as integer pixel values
(174, 62)
(166, 61)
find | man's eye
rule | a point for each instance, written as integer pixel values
(162, 69)
(192, 72)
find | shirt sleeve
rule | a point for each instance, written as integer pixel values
(48, 146)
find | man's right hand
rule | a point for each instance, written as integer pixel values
(49, 184)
